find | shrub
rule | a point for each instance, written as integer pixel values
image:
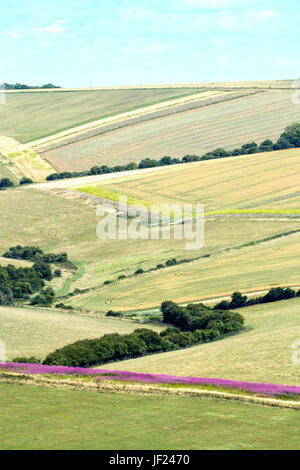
(26, 360)
(139, 271)
(25, 181)
(6, 183)
(110, 313)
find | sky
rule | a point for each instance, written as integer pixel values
(81, 43)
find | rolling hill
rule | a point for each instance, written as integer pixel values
(229, 124)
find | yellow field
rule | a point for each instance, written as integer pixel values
(18, 263)
(262, 354)
(260, 181)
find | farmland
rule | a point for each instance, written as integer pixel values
(29, 116)
(227, 124)
(261, 354)
(268, 184)
(66, 419)
(252, 226)
(24, 209)
(24, 330)
(265, 181)
(256, 267)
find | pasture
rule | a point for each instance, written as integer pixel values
(227, 124)
(32, 115)
(263, 353)
(46, 419)
(37, 332)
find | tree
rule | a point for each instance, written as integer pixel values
(25, 181)
(6, 183)
(266, 146)
(238, 300)
(45, 298)
(43, 269)
(292, 134)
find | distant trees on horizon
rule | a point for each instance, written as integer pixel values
(20, 86)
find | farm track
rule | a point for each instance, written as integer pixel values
(141, 389)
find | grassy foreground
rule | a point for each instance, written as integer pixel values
(40, 418)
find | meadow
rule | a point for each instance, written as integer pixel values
(43, 418)
(227, 124)
(32, 115)
(37, 332)
(263, 353)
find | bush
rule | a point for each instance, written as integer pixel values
(110, 313)
(26, 360)
(6, 183)
(45, 298)
(25, 181)
(139, 271)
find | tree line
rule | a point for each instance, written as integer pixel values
(34, 253)
(239, 300)
(290, 138)
(194, 324)
(21, 86)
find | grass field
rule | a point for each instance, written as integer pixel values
(37, 332)
(228, 124)
(29, 116)
(40, 418)
(261, 354)
(256, 267)
(22, 219)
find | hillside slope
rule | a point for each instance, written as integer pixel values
(227, 124)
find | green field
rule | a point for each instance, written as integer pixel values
(228, 124)
(30, 116)
(37, 332)
(47, 419)
(261, 354)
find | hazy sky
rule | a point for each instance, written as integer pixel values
(122, 42)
